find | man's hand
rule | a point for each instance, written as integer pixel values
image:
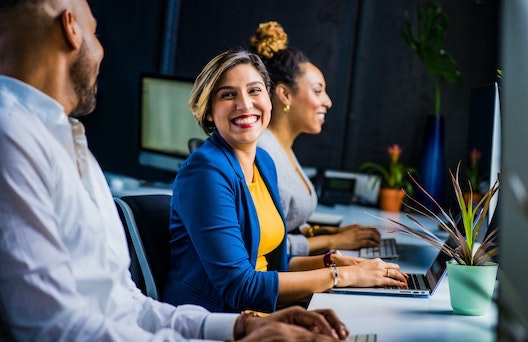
(296, 324)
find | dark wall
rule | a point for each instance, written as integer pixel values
(380, 90)
(393, 92)
(131, 33)
(324, 30)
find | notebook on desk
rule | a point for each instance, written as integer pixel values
(419, 284)
(388, 249)
(325, 219)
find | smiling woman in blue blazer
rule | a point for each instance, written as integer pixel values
(227, 229)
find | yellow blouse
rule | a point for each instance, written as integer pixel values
(271, 224)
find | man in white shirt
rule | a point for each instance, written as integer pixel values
(63, 253)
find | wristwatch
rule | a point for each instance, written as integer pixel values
(328, 258)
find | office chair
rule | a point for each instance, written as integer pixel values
(146, 222)
(194, 143)
(134, 244)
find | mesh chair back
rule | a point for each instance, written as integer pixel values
(148, 218)
(194, 143)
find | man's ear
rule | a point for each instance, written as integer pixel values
(283, 93)
(71, 30)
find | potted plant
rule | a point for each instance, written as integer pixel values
(393, 179)
(426, 38)
(471, 272)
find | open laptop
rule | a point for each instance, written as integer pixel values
(420, 285)
(388, 248)
(324, 219)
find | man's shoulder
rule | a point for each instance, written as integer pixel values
(15, 121)
(12, 121)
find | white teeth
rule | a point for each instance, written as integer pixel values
(246, 121)
(321, 116)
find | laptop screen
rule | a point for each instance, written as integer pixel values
(436, 271)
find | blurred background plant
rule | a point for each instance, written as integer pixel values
(426, 39)
(394, 175)
(472, 171)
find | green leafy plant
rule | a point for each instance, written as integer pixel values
(393, 176)
(426, 39)
(464, 232)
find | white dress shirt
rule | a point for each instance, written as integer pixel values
(63, 252)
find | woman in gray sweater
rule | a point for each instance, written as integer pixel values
(300, 103)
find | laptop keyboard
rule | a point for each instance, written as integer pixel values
(362, 338)
(416, 282)
(386, 250)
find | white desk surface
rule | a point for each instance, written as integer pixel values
(404, 318)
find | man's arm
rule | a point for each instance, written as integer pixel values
(39, 294)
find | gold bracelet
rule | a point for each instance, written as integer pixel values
(327, 258)
(312, 229)
(240, 329)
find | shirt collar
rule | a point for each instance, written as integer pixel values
(47, 109)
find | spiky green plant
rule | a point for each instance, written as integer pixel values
(464, 232)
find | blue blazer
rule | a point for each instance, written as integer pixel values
(215, 234)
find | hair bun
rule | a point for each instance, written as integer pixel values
(269, 39)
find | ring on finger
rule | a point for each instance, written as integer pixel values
(388, 272)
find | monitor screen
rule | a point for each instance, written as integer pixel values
(485, 135)
(496, 147)
(513, 208)
(166, 122)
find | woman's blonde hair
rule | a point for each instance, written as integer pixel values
(206, 83)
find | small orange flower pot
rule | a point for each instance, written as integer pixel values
(391, 199)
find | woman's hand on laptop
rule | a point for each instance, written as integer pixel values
(355, 236)
(374, 272)
(345, 260)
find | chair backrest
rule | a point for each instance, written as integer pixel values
(146, 220)
(134, 244)
(194, 143)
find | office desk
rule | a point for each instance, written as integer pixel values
(415, 255)
(408, 319)
(404, 318)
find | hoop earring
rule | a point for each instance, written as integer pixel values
(286, 108)
(209, 121)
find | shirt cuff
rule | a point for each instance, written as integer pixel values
(219, 326)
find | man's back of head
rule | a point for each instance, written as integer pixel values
(52, 46)
(27, 38)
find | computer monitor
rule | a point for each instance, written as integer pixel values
(485, 135)
(513, 258)
(496, 153)
(166, 122)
